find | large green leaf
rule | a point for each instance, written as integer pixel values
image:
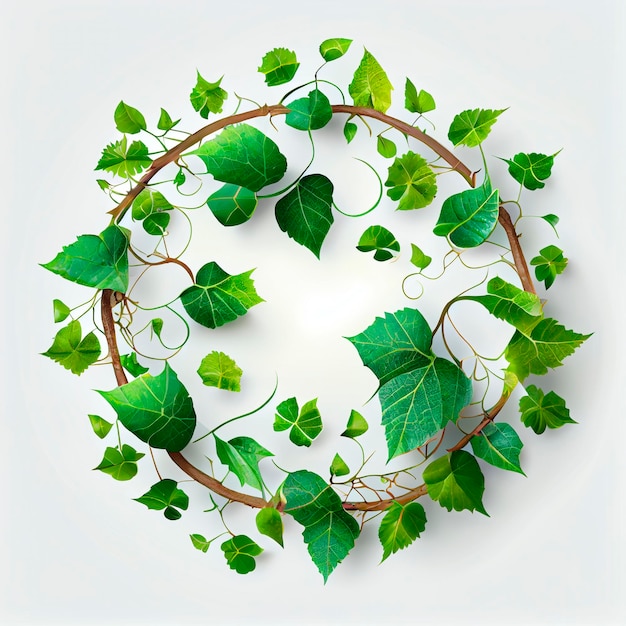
(218, 297)
(124, 160)
(540, 411)
(456, 482)
(370, 86)
(499, 445)
(128, 119)
(471, 127)
(469, 217)
(414, 102)
(549, 263)
(379, 240)
(304, 213)
(242, 155)
(304, 425)
(329, 531)
(207, 97)
(121, 465)
(411, 181)
(217, 369)
(72, 351)
(309, 113)
(332, 49)
(240, 552)
(279, 66)
(242, 455)
(401, 526)
(167, 497)
(232, 205)
(532, 169)
(99, 261)
(157, 409)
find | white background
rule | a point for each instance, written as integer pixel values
(76, 549)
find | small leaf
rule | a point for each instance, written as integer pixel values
(338, 467)
(105, 185)
(149, 202)
(180, 178)
(401, 526)
(232, 205)
(349, 131)
(549, 264)
(100, 426)
(73, 352)
(157, 326)
(269, 522)
(530, 170)
(131, 365)
(552, 219)
(240, 552)
(165, 121)
(279, 66)
(470, 128)
(199, 542)
(167, 497)
(411, 181)
(378, 238)
(332, 49)
(124, 161)
(219, 370)
(61, 310)
(385, 147)
(499, 445)
(121, 465)
(370, 86)
(129, 119)
(310, 113)
(242, 455)
(304, 425)
(418, 258)
(207, 97)
(541, 411)
(414, 102)
(356, 426)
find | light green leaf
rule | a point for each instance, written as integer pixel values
(199, 542)
(532, 169)
(549, 264)
(240, 552)
(304, 425)
(414, 102)
(242, 455)
(242, 155)
(338, 467)
(418, 258)
(401, 526)
(121, 465)
(129, 119)
(131, 365)
(218, 297)
(269, 522)
(232, 205)
(329, 531)
(412, 182)
(167, 497)
(470, 128)
(60, 310)
(103, 184)
(499, 445)
(219, 370)
(207, 97)
(73, 352)
(100, 426)
(378, 238)
(540, 411)
(370, 86)
(123, 160)
(304, 213)
(279, 66)
(157, 409)
(349, 131)
(99, 261)
(165, 121)
(385, 147)
(356, 426)
(469, 217)
(332, 49)
(456, 482)
(309, 113)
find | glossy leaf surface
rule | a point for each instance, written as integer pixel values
(304, 424)
(411, 182)
(338, 467)
(356, 426)
(418, 258)
(332, 49)
(310, 113)
(242, 455)
(532, 169)
(269, 522)
(232, 205)
(131, 365)
(128, 119)
(100, 426)
(401, 526)
(167, 497)
(499, 445)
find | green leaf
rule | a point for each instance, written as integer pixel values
(549, 264)
(131, 365)
(499, 445)
(414, 102)
(401, 526)
(378, 238)
(242, 455)
(121, 465)
(349, 131)
(165, 121)
(329, 531)
(156, 224)
(418, 258)
(456, 482)
(385, 147)
(531, 170)
(180, 178)
(207, 97)
(165, 495)
(269, 522)
(304, 213)
(219, 370)
(469, 217)
(338, 467)
(218, 297)
(370, 86)
(545, 345)
(157, 409)
(304, 425)
(470, 128)
(99, 261)
(232, 205)
(332, 49)
(411, 181)
(60, 310)
(540, 411)
(100, 426)
(552, 219)
(157, 326)
(309, 113)
(243, 156)
(356, 426)
(73, 352)
(240, 552)
(124, 161)
(199, 542)
(279, 66)
(129, 119)
(103, 184)
(149, 206)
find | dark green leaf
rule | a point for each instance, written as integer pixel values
(401, 526)
(180, 178)
(370, 86)
(332, 49)
(269, 522)
(356, 426)
(304, 425)
(418, 258)
(532, 169)
(128, 119)
(329, 531)
(411, 181)
(279, 66)
(100, 426)
(219, 370)
(349, 131)
(414, 102)
(167, 497)
(338, 467)
(471, 127)
(242, 455)
(309, 113)
(218, 297)
(124, 161)
(378, 238)
(240, 552)
(120, 465)
(386, 148)
(549, 264)
(157, 409)
(232, 205)
(131, 365)
(207, 97)
(71, 351)
(199, 542)
(499, 445)
(165, 121)
(541, 411)
(60, 310)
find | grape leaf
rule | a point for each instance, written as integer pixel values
(329, 531)
(349, 131)
(167, 497)
(456, 482)
(72, 351)
(207, 97)
(100, 426)
(499, 445)
(218, 297)
(121, 465)
(469, 217)
(305, 424)
(414, 102)
(338, 467)
(242, 155)
(401, 526)
(124, 160)
(219, 370)
(471, 127)
(309, 113)
(131, 365)
(332, 49)
(370, 86)
(242, 455)
(549, 264)
(165, 121)
(269, 522)
(129, 119)
(232, 205)
(356, 426)
(411, 181)
(240, 552)
(418, 258)
(157, 409)
(540, 411)
(378, 238)
(531, 170)
(279, 66)
(385, 147)
(99, 261)
(304, 213)
(60, 310)
(200, 542)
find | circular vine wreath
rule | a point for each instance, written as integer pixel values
(422, 395)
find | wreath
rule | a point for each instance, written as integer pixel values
(436, 399)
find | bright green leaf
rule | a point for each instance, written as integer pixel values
(123, 160)
(149, 202)
(129, 119)
(207, 97)
(131, 365)
(552, 219)
(418, 258)
(219, 370)
(167, 497)
(232, 205)
(332, 49)
(165, 121)
(531, 170)
(470, 128)
(414, 102)
(103, 184)
(180, 178)
(199, 542)
(412, 182)
(157, 326)
(279, 66)
(269, 522)
(370, 86)
(356, 426)
(156, 224)
(304, 425)
(309, 113)
(72, 351)
(349, 131)
(100, 426)
(338, 467)
(499, 445)
(378, 238)
(121, 465)
(385, 147)
(549, 264)
(240, 552)
(540, 411)
(242, 455)
(60, 310)
(401, 526)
